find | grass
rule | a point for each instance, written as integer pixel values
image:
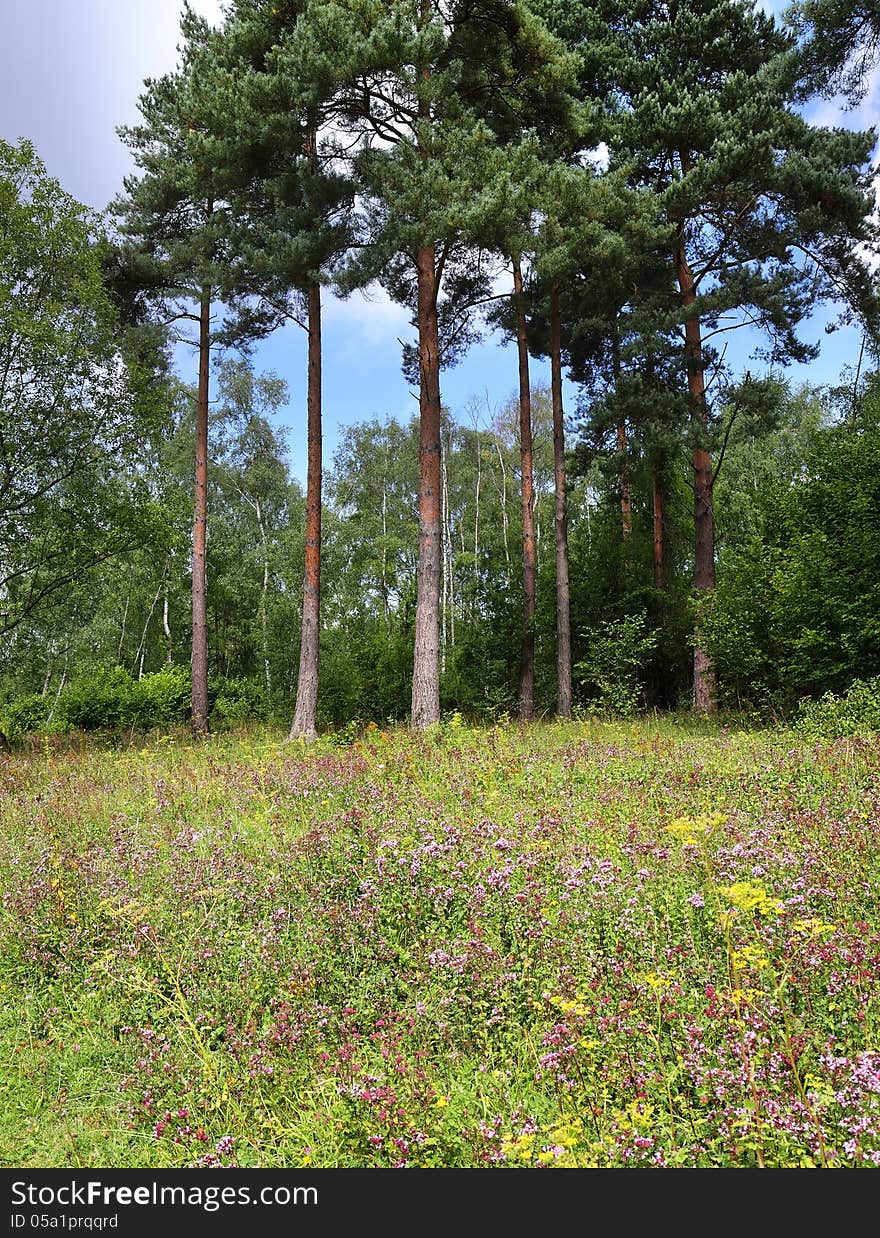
(581, 944)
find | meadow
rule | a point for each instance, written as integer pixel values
(569, 945)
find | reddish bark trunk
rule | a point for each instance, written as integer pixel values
(305, 713)
(704, 526)
(527, 662)
(426, 653)
(563, 599)
(200, 529)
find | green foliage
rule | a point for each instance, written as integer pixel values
(365, 674)
(112, 698)
(613, 670)
(855, 712)
(23, 716)
(235, 700)
(162, 698)
(82, 398)
(104, 699)
(841, 44)
(173, 219)
(738, 629)
(107, 699)
(290, 214)
(796, 609)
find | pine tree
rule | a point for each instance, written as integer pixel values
(765, 211)
(424, 92)
(267, 98)
(841, 44)
(589, 252)
(172, 217)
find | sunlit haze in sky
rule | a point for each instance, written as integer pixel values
(72, 70)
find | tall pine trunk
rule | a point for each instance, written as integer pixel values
(527, 662)
(305, 713)
(426, 652)
(563, 600)
(200, 529)
(704, 526)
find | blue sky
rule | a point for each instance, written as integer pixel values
(71, 71)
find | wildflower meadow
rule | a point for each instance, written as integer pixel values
(582, 944)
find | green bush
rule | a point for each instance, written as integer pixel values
(855, 712)
(103, 700)
(613, 670)
(163, 698)
(108, 699)
(737, 624)
(237, 700)
(23, 716)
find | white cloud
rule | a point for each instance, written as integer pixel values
(599, 157)
(371, 320)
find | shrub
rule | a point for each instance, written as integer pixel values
(23, 716)
(613, 669)
(237, 700)
(855, 712)
(162, 698)
(103, 700)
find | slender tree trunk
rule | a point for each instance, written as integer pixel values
(625, 488)
(704, 528)
(426, 661)
(200, 530)
(451, 601)
(563, 599)
(444, 603)
(165, 625)
(855, 394)
(504, 519)
(61, 684)
(305, 714)
(142, 647)
(448, 572)
(527, 662)
(658, 528)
